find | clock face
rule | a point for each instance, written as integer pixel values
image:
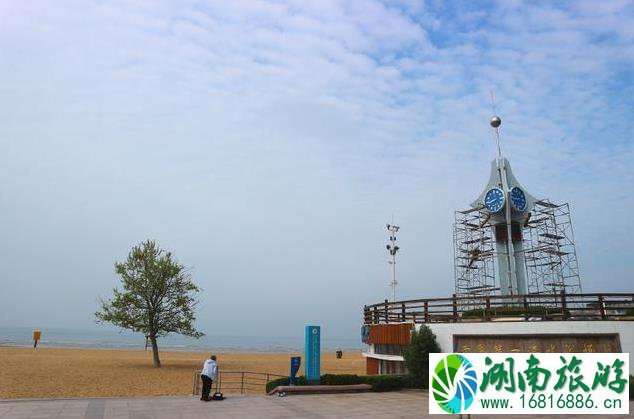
(494, 200)
(518, 199)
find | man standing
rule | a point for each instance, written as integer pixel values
(208, 375)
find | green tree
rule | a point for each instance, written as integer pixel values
(158, 296)
(416, 354)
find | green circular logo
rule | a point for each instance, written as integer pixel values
(454, 383)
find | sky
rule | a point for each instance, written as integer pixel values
(267, 143)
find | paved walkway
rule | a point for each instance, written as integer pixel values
(405, 404)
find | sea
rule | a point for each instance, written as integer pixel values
(114, 339)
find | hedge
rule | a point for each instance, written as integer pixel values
(341, 379)
(388, 382)
(301, 381)
(378, 382)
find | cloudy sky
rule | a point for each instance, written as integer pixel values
(267, 143)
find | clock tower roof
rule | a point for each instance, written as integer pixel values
(500, 168)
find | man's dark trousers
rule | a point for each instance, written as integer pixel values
(206, 386)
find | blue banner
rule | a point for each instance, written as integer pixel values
(296, 361)
(313, 354)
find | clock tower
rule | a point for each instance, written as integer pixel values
(507, 207)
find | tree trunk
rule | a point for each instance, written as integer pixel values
(155, 355)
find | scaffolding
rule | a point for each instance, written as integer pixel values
(549, 252)
(474, 251)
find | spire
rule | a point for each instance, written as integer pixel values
(495, 123)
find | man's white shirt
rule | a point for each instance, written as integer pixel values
(210, 369)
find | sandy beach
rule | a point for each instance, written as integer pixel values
(62, 372)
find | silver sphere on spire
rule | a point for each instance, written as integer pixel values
(495, 121)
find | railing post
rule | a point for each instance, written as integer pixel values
(487, 308)
(387, 320)
(402, 312)
(455, 309)
(426, 311)
(602, 307)
(564, 311)
(525, 308)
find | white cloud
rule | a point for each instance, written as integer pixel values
(268, 142)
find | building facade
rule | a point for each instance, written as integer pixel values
(385, 347)
(559, 323)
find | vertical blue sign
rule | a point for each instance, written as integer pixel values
(313, 354)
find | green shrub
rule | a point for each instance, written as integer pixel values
(416, 354)
(412, 382)
(277, 382)
(386, 382)
(341, 379)
(301, 381)
(378, 382)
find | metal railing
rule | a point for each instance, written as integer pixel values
(604, 306)
(237, 382)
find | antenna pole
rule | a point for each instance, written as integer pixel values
(392, 249)
(495, 123)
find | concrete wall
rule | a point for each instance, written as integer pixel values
(444, 331)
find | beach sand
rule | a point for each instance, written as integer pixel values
(62, 372)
